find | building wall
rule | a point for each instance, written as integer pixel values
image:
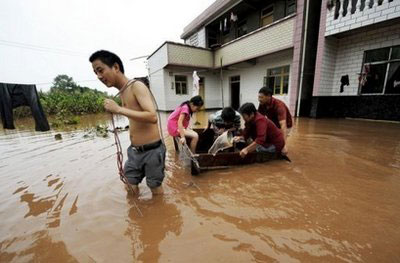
(189, 56)
(202, 37)
(252, 77)
(258, 43)
(348, 58)
(157, 86)
(212, 90)
(297, 53)
(378, 13)
(158, 60)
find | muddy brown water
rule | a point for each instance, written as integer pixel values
(338, 201)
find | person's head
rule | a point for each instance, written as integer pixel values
(265, 95)
(248, 111)
(196, 103)
(107, 66)
(228, 116)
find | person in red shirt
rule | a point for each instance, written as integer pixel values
(266, 136)
(276, 110)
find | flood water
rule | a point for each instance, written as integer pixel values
(337, 201)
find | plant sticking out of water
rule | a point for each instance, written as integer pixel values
(64, 118)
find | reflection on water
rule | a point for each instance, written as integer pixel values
(337, 201)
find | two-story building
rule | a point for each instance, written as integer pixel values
(236, 47)
(323, 58)
(358, 60)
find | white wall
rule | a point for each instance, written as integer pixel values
(158, 60)
(197, 39)
(157, 86)
(202, 37)
(252, 77)
(368, 16)
(349, 56)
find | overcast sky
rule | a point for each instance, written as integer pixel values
(40, 39)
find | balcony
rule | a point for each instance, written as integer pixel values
(178, 54)
(268, 39)
(345, 15)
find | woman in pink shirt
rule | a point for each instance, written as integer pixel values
(178, 121)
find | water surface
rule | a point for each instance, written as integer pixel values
(338, 201)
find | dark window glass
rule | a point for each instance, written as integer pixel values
(271, 82)
(285, 84)
(381, 54)
(375, 79)
(393, 80)
(180, 78)
(396, 52)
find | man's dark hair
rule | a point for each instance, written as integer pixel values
(266, 91)
(248, 108)
(107, 58)
(228, 114)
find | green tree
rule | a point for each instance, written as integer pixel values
(64, 83)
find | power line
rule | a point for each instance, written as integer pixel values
(47, 83)
(42, 48)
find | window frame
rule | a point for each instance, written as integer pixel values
(178, 85)
(267, 15)
(388, 63)
(282, 74)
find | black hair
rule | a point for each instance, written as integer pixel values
(248, 108)
(196, 101)
(266, 91)
(107, 58)
(228, 114)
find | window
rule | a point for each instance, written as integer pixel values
(180, 85)
(242, 28)
(380, 73)
(267, 15)
(290, 7)
(278, 80)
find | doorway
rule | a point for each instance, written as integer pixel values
(235, 92)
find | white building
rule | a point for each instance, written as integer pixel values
(359, 41)
(256, 42)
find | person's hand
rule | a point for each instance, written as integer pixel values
(237, 138)
(220, 131)
(284, 151)
(182, 140)
(111, 106)
(243, 152)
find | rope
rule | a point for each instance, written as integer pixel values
(120, 156)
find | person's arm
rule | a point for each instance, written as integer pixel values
(282, 120)
(250, 148)
(283, 129)
(181, 129)
(142, 94)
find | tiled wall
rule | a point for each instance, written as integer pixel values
(344, 56)
(378, 13)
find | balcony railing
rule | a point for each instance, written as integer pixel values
(266, 40)
(344, 7)
(345, 15)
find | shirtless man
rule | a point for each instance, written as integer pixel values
(146, 154)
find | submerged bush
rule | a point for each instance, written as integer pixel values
(66, 99)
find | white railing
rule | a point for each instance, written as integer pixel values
(345, 15)
(345, 7)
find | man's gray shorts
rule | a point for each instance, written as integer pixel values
(147, 163)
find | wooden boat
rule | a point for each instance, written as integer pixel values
(203, 161)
